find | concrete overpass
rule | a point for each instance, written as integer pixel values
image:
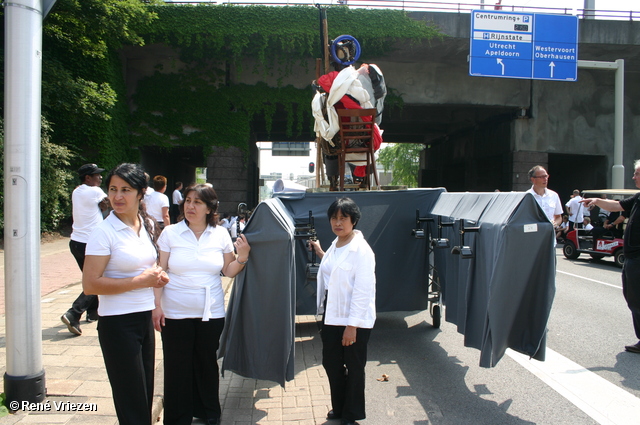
(481, 133)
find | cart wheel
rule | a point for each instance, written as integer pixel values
(436, 315)
(597, 256)
(619, 257)
(569, 250)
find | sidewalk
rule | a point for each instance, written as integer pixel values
(75, 373)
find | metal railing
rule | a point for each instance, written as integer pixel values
(431, 6)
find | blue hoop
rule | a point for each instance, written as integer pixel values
(340, 40)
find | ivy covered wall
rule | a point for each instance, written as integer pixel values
(202, 103)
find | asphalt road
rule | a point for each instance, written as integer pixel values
(587, 377)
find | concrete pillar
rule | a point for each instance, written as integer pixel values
(228, 173)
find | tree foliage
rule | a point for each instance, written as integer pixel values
(83, 90)
(404, 160)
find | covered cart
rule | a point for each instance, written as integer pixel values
(498, 285)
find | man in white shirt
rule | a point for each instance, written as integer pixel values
(575, 210)
(176, 198)
(88, 201)
(158, 203)
(548, 200)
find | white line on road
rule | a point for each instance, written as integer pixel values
(591, 280)
(603, 401)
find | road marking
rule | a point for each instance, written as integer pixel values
(603, 401)
(591, 280)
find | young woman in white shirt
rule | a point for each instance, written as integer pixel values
(121, 267)
(346, 299)
(190, 309)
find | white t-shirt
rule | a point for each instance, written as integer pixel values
(155, 202)
(177, 197)
(130, 255)
(576, 209)
(86, 212)
(195, 286)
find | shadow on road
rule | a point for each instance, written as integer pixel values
(434, 378)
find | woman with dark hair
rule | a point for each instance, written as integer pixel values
(190, 309)
(121, 267)
(346, 297)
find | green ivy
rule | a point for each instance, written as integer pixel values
(169, 104)
(213, 37)
(277, 36)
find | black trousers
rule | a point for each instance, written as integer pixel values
(573, 225)
(128, 348)
(83, 302)
(631, 289)
(345, 370)
(191, 376)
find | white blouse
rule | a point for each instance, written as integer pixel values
(195, 286)
(131, 254)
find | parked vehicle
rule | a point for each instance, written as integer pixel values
(580, 241)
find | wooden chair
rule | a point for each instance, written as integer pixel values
(356, 137)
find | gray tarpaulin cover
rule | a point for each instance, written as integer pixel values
(258, 338)
(259, 335)
(501, 298)
(388, 217)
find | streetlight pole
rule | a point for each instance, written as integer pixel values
(24, 376)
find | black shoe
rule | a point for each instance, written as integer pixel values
(633, 348)
(349, 422)
(332, 415)
(92, 316)
(72, 323)
(213, 421)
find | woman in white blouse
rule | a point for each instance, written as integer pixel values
(190, 309)
(121, 267)
(346, 297)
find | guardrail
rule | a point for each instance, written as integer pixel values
(429, 6)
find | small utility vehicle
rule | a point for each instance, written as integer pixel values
(580, 241)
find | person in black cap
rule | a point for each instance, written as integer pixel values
(88, 201)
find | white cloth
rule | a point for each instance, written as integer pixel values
(85, 210)
(549, 202)
(177, 197)
(351, 285)
(155, 202)
(195, 286)
(130, 255)
(575, 209)
(346, 82)
(588, 227)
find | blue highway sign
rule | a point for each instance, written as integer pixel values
(523, 45)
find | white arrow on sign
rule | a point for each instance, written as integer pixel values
(552, 65)
(500, 62)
